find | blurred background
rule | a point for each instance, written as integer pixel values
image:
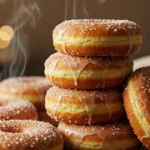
(34, 21)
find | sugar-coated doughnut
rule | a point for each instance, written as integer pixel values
(137, 103)
(96, 37)
(84, 106)
(87, 73)
(17, 109)
(43, 116)
(117, 136)
(29, 135)
(32, 89)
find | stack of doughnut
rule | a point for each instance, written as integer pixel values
(32, 89)
(87, 74)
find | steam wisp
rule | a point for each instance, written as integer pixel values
(102, 1)
(25, 13)
(76, 9)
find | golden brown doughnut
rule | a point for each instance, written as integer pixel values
(43, 116)
(84, 107)
(17, 109)
(32, 89)
(117, 136)
(137, 103)
(96, 37)
(87, 73)
(29, 135)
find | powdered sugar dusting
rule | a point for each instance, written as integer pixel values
(23, 84)
(85, 24)
(28, 134)
(97, 35)
(17, 109)
(20, 87)
(99, 21)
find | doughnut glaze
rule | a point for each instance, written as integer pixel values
(137, 103)
(29, 135)
(117, 136)
(32, 89)
(17, 109)
(84, 106)
(97, 37)
(87, 73)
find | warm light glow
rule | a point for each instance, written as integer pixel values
(8, 30)
(5, 39)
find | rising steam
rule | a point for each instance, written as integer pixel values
(25, 13)
(75, 9)
(2, 1)
(102, 1)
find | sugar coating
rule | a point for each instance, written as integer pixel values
(22, 85)
(17, 109)
(102, 93)
(22, 135)
(99, 21)
(29, 88)
(76, 62)
(94, 24)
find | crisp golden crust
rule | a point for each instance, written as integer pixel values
(101, 137)
(29, 135)
(32, 89)
(137, 103)
(84, 107)
(17, 109)
(87, 73)
(42, 116)
(96, 37)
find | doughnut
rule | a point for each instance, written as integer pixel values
(87, 73)
(17, 109)
(84, 107)
(116, 136)
(137, 103)
(42, 116)
(29, 135)
(32, 89)
(96, 37)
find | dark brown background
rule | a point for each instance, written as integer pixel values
(53, 12)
